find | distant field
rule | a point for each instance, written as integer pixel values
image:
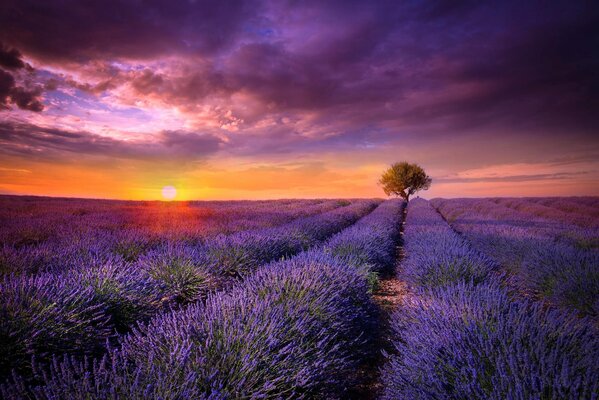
(42, 234)
(469, 298)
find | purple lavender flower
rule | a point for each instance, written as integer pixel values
(475, 342)
(293, 328)
(437, 256)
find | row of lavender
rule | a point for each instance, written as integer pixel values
(293, 329)
(521, 215)
(77, 311)
(41, 234)
(545, 258)
(463, 335)
(566, 210)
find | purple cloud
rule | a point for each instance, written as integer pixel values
(39, 143)
(10, 92)
(10, 58)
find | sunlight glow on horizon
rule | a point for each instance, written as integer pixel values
(169, 192)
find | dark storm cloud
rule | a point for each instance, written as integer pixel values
(7, 84)
(27, 99)
(10, 58)
(24, 98)
(48, 143)
(10, 91)
(76, 30)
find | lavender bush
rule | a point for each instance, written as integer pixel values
(437, 256)
(564, 275)
(237, 255)
(178, 271)
(474, 342)
(127, 292)
(40, 317)
(293, 326)
(372, 239)
(292, 329)
(462, 336)
(112, 377)
(544, 258)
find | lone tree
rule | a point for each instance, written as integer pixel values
(404, 179)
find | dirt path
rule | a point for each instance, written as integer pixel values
(389, 294)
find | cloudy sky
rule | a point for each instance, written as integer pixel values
(268, 99)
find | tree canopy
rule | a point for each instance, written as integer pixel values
(404, 179)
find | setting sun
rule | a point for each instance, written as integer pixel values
(169, 192)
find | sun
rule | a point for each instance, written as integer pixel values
(169, 192)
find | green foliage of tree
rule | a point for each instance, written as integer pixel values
(404, 179)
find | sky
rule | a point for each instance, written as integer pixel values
(296, 99)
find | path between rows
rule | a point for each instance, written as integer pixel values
(388, 295)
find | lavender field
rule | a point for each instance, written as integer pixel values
(494, 298)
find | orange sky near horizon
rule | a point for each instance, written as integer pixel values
(129, 182)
